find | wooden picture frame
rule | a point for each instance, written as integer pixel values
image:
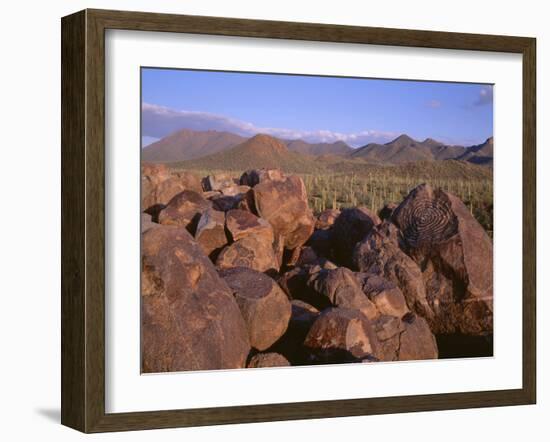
(83, 219)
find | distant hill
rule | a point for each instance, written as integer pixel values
(257, 152)
(186, 145)
(404, 149)
(480, 154)
(337, 148)
(189, 144)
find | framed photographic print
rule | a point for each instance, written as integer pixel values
(270, 220)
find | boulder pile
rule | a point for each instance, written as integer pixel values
(237, 272)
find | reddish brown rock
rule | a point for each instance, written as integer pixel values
(147, 222)
(158, 185)
(184, 209)
(284, 204)
(241, 223)
(210, 232)
(264, 306)
(379, 254)
(457, 257)
(340, 288)
(326, 219)
(351, 226)
(263, 360)
(387, 297)
(190, 319)
(341, 335)
(252, 252)
(417, 341)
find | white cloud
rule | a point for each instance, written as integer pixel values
(159, 121)
(485, 96)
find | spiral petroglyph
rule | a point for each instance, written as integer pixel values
(426, 218)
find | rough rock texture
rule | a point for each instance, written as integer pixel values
(341, 335)
(147, 222)
(262, 360)
(284, 204)
(256, 176)
(185, 209)
(159, 186)
(264, 306)
(387, 297)
(417, 341)
(217, 182)
(456, 256)
(326, 219)
(210, 232)
(190, 320)
(241, 223)
(379, 254)
(290, 344)
(340, 288)
(351, 226)
(252, 252)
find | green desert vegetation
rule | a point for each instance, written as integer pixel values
(375, 186)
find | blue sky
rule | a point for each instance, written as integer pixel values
(357, 111)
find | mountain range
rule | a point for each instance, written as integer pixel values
(225, 148)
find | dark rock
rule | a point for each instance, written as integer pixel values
(379, 254)
(340, 288)
(326, 219)
(456, 256)
(351, 226)
(256, 176)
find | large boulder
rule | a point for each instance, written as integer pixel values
(210, 232)
(283, 202)
(341, 335)
(456, 254)
(190, 319)
(379, 253)
(264, 306)
(252, 251)
(351, 226)
(241, 223)
(185, 209)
